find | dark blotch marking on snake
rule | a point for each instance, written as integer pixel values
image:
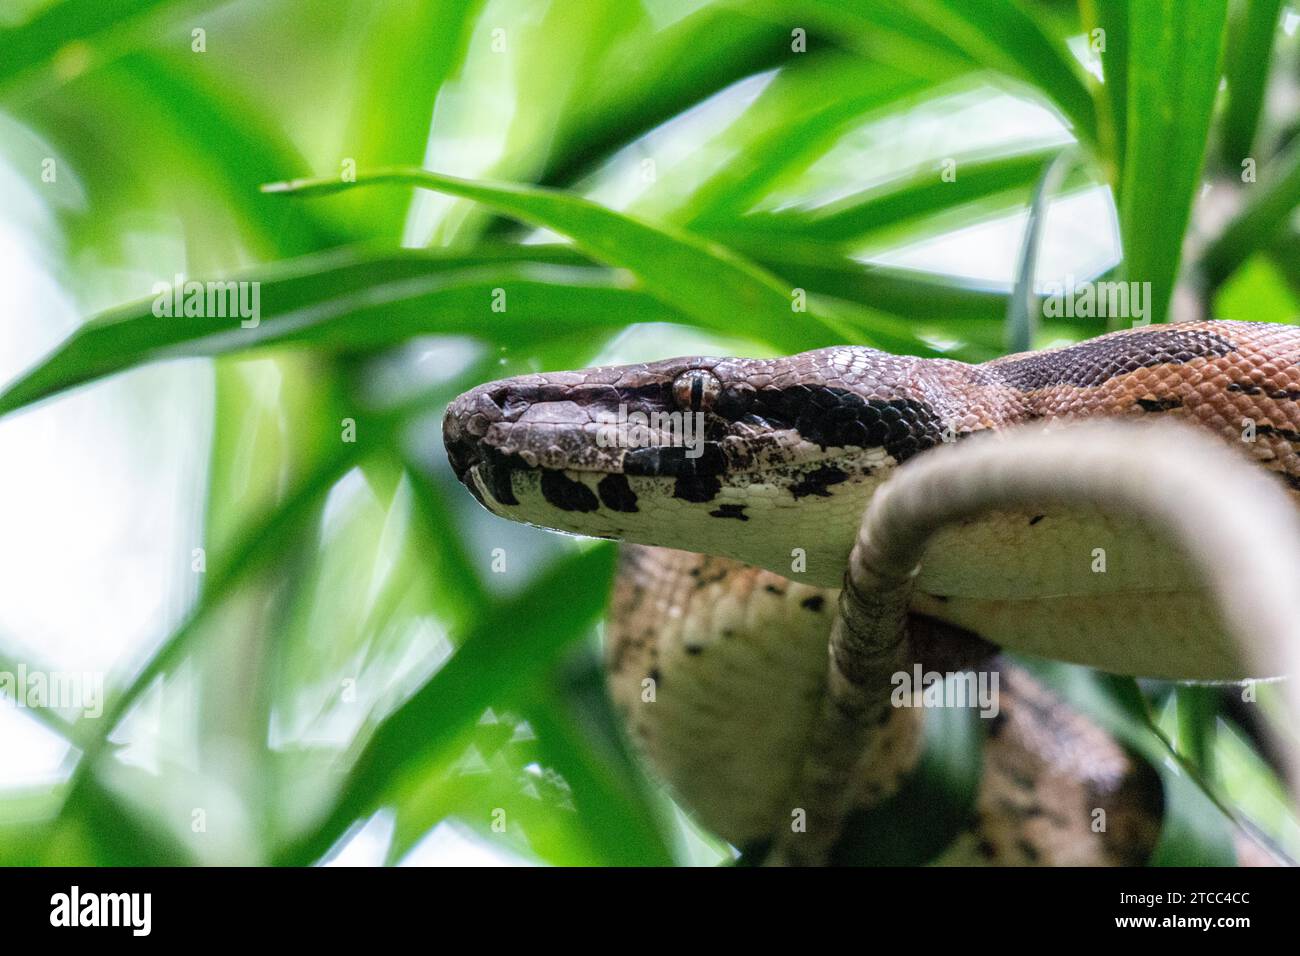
(566, 494)
(496, 470)
(833, 417)
(697, 489)
(817, 482)
(1284, 433)
(673, 461)
(498, 480)
(814, 603)
(730, 511)
(1090, 364)
(1159, 404)
(1279, 395)
(617, 493)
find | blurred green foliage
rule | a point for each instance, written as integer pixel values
(677, 167)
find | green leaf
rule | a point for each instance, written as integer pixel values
(1173, 77)
(1246, 66)
(797, 117)
(1257, 292)
(934, 804)
(553, 767)
(1255, 788)
(103, 829)
(1284, 255)
(1197, 709)
(346, 302)
(911, 198)
(34, 43)
(885, 32)
(433, 515)
(1195, 831)
(906, 308)
(1004, 36)
(25, 817)
(1268, 207)
(208, 129)
(579, 734)
(900, 292)
(515, 640)
(690, 274)
(262, 542)
(943, 35)
(406, 54)
(1022, 309)
(690, 59)
(1111, 17)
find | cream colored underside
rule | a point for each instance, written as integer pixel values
(717, 669)
(1078, 586)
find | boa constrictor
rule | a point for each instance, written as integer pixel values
(739, 534)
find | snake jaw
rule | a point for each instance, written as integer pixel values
(751, 458)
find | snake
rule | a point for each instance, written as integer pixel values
(737, 487)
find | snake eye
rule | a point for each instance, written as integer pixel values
(696, 390)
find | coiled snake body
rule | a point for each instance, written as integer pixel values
(737, 544)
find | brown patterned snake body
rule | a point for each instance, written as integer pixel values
(717, 647)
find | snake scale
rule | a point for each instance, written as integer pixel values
(736, 544)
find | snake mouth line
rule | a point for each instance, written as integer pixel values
(577, 474)
(492, 468)
(656, 461)
(492, 477)
(486, 471)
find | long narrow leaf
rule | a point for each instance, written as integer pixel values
(1173, 77)
(578, 731)
(258, 544)
(690, 60)
(683, 271)
(349, 306)
(1108, 34)
(885, 32)
(1005, 36)
(1249, 55)
(1268, 206)
(796, 118)
(513, 640)
(213, 130)
(406, 54)
(914, 197)
(1022, 310)
(32, 44)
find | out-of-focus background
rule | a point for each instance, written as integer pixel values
(288, 635)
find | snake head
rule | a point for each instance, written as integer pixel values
(760, 460)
